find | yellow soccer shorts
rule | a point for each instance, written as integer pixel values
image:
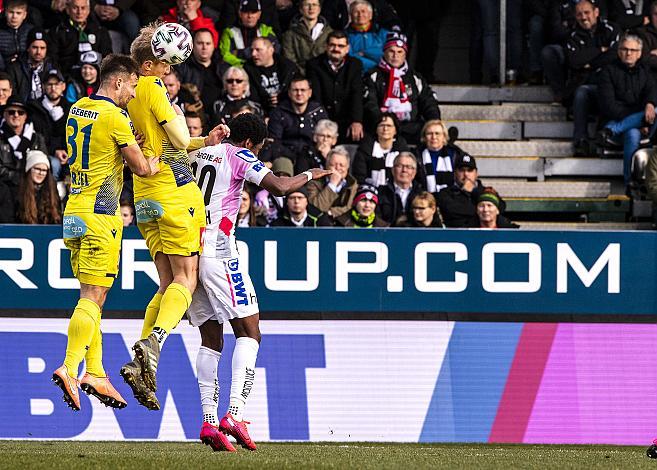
(172, 222)
(95, 244)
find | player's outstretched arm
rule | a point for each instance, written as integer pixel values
(138, 163)
(282, 185)
(214, 137)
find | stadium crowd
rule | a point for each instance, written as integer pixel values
(338, 87)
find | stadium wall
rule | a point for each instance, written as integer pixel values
(350, 380)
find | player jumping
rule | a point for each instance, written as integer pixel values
(225, 292)
(170, 216)
(99, 137)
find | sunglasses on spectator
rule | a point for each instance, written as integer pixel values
(15, 112)
(234, 80)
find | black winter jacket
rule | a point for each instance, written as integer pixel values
(64, 42)
(390, 204)
(207, 79)
(285, 70)
(459, 208)
(341, 92)
(12, 42)
(21, 76)
(560, 22)
(53, 131)
(627, 19)
(11, 168)
(292, 132)
(649, 36)
(364, 163)
(623, 91)
(423, 101)
(315, 218)
(584, 54)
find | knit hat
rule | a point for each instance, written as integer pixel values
(466, 161)
(56, 74)
(395, 38)
(34, 157)
(92, 58)
(366, 191)
(301, 190)
(36, 34)
(489, 195)
(282, 165)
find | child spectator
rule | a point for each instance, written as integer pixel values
(13, 31)
(363, 211)
(85, 77)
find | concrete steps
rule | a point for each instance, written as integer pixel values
(484, 94)
(549, 189)
(532, 112)
(533, 148)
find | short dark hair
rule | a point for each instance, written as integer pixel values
(392, 116)
(339, 34)
(247, 126)
(201, 30)
(300, 78)
(15, 3)
(5, 76)
(117, 64)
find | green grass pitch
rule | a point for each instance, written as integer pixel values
(73, 455)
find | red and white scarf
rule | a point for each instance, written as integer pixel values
(396, 100)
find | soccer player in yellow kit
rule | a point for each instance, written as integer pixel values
(99, 137)
(170, 214)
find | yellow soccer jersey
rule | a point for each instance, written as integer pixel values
(96, 130)
(149, 110)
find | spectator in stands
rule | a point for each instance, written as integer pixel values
(424, 213)
(247, 216)
(396, 196)
(182, 95)
(194, 124)
(334, 195)
(458, 203)
(363, 210)
(49, 115)
(538, 12)
(116, 15)
(189, 14)
(269, 73)
(269, 13)
(590, 47)
(6, 88)
(628, 96)
(77, 33)
(366, 38)
(85, 77)
(488, 210)
(307, 35)
(13, 31)
(337, 13)
(38, 201)
(292, 122)
(375, 155)
(28, 73)
(203, 69)
(337, 83)
(561, 24)
(629, 14)
(237, 41)
(648, 35)
(436, 156)
(236, 93)
(299, 213)
(17, 137)
(127, 212)
(325, 137)
(272, 205)
(393, 86)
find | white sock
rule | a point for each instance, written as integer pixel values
(160, 336)
(244, 359)
(207, 362)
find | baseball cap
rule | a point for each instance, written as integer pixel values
(250, 5)
(465, 160)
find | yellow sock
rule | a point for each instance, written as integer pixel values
(81, 330)
(152, 311)
(175, 302)
(94, 356)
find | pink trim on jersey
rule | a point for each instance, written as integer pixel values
(231, 203)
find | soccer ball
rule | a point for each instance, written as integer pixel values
(171, 43)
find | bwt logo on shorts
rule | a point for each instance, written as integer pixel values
(233, 264)
(239, 289)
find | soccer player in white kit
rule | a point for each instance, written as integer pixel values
(225, 291)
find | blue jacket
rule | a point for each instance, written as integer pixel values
(369, 44)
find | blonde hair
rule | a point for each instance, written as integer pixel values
(431, 123)
(427, 197)
(140, 49)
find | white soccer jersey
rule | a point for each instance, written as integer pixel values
(220, 172)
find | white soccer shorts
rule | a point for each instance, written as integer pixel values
(224, 292)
